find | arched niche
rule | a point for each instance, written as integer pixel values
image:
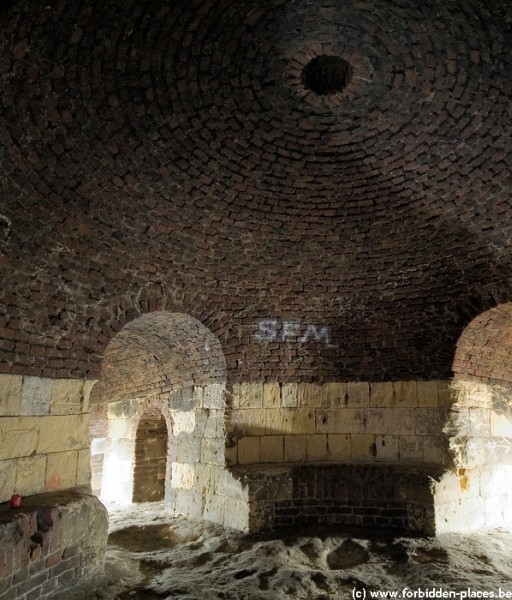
(479, 423)
(160, 352)
(163, 372)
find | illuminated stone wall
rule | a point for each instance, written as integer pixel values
(390, 422)
(185, 204)
(44, 434)
(57, 538)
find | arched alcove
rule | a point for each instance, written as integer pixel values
(158, 353)
(154, 374)
(484, 350)
(479, 423)
(161, 401)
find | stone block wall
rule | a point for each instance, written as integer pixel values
(197, 482)
(44, 434)
(98, 429)
(480, 424)
(200, 486)
(118, 447)
(383, 435)
(473, 499)
(50, 544)
(210, 492)
(479, 434)
(390, 422)
(195, 424)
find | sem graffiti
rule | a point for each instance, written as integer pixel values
(272, 330)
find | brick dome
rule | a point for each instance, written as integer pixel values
(325, 187)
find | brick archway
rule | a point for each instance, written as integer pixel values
(149, 400)
(479, 423)
(162, 403)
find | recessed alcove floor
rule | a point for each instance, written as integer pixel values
(153, 556)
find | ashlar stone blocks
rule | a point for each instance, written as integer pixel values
(10, 394)
(479, 424)
(31, 475)
(35, 396)
(391, 421)
(44, 434)
(19, 436)
(63, 433)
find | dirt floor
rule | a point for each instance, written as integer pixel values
(152, 556)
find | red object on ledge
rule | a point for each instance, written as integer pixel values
(15, 501)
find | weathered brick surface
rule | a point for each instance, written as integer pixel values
(37, 560)
(180, 209)
(484, 349)
(365, 495)
(161, 353)
(161, 155)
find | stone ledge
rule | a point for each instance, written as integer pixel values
(50, 543)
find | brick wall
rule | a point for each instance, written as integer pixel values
(423, 499)
(50, 544)
(158, 353)
(381, 213)
(484, 349)
(348, 238)
(364, 495)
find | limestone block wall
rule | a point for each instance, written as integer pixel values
(210, 492)
(375, 432)
(386, 422)
(197, 482)
(44, 434)
(98, 430)
(480, 424)
(200, 485)
(195, 428)
(472, 499)
(118, 447)
(478, 493)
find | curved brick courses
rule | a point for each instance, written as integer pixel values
(158, 353)
(160, 156)
(484, 349)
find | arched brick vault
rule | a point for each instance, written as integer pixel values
(160, 156)
(484, 351)
(159, 352)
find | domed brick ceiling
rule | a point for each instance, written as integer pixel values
(325, 186)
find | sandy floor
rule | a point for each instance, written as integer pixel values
(152, 556)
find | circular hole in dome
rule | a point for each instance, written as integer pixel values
(325, 75)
